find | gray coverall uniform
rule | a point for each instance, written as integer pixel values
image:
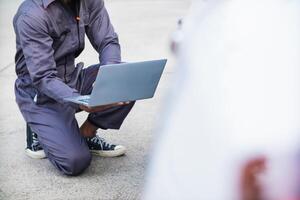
(48, 39)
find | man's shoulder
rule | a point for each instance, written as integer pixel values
(94, 4)
(31, 8)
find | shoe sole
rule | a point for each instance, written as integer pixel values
(35, 154)
(109, 154)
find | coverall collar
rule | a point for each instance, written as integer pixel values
(46, 3)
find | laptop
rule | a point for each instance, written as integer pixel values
(123, 82)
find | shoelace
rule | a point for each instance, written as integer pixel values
(35, 143)
(100, 141)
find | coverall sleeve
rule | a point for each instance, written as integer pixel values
(37, 48)
(102, 34)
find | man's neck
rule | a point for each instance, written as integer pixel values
(72, 5)
(66, 2)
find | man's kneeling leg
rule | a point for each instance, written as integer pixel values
(63, 144)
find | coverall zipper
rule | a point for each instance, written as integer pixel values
(77, 21)
(65, 75)
(77, 18)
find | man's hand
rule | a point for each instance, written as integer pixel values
(101, 108)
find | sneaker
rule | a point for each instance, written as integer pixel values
(34, 148)
(99, 146)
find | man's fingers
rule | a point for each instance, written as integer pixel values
(101, 108)
(83, 107)
(124, 103)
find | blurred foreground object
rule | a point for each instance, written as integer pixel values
(233, 128)
(177, 37)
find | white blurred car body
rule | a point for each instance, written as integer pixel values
(236, 96)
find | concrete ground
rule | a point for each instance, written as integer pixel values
(144, 27)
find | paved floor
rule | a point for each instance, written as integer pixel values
(144, 27)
